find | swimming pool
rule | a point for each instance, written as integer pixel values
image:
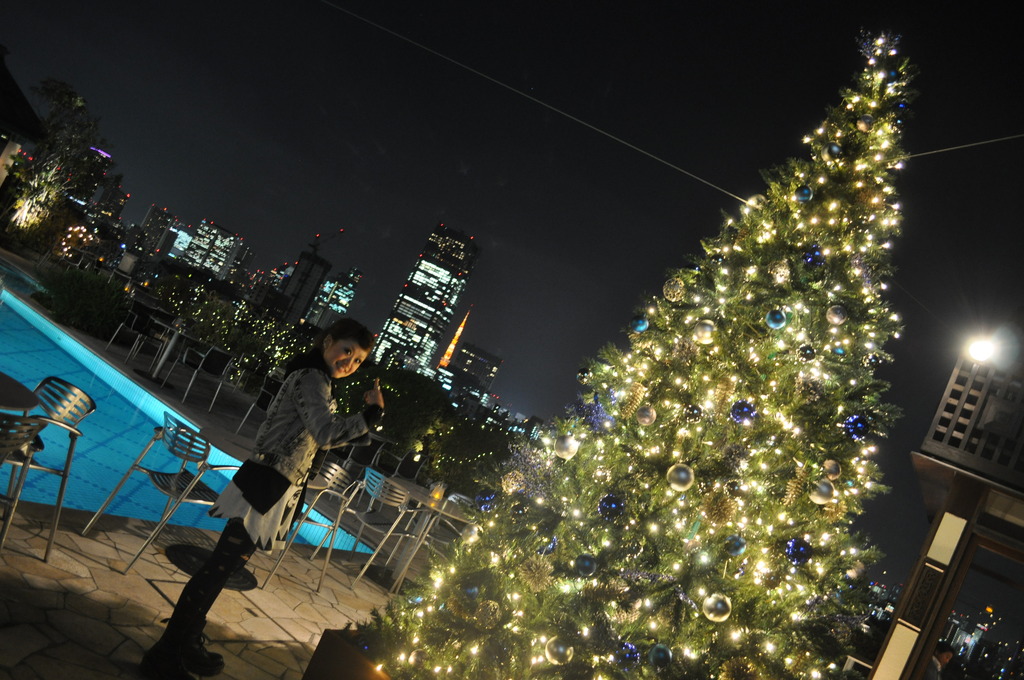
(31, 348)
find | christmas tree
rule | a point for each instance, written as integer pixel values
(691, 517)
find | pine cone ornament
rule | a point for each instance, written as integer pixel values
(536, 573)
(795, 486)
(719, 506)
(739, 668)
(835, 511)
(633, 400)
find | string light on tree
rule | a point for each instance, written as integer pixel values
(701, 528)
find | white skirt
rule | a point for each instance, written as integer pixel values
(269, 530)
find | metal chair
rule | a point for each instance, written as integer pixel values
(16, 435)
(271, 386)
(181, 485)
(66, 406)
(392, 503)
(335, 485)
(213, 361)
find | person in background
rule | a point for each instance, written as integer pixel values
(266, 492)
(941, 657)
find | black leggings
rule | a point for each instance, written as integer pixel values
(231, 554)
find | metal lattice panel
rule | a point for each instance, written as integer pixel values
(978, 423)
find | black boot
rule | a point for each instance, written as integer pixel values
(163, 662)
(194, 654)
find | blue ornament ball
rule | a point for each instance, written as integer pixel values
(776, 319)
(639, 324)
(743, 412)
(803, 194)
(585, 565)
(814, 257)
(832, 151)
(856, 426)
(865, 123)
(799, 551)
(660, 655)
(735, 545)
(692, 413)
(611, 507)
(472, 591)
(628, 656)
(485, 500)
(806, 352)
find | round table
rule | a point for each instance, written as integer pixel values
(14, 396)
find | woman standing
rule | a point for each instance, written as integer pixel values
(266, 492)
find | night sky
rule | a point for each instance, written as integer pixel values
(282, 120)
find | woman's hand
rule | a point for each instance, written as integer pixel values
(374, 396)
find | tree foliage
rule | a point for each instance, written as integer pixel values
(691, 519)
(64, 163)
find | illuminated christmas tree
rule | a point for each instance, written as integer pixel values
(692, 517)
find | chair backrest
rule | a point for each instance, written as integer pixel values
(216, 361)
(382, 490)
(410, 465)
(337, 477)
(271, 386)
(16, 432)
(183, 441)
(62, 401)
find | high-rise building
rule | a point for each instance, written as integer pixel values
(426, 305)
(111, 200)
(157, 233)
(215, 249)
(305, 281)
(482, 366)
(334, 298)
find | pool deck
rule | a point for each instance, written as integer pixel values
(79, 617)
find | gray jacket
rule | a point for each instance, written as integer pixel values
(301, 420)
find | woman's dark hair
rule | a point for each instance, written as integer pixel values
(347, 329)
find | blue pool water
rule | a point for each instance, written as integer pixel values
(31, 348)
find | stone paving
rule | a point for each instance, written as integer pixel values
(79, 617)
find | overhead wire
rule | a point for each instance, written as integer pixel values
(616, 138)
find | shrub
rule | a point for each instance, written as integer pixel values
(89, 302)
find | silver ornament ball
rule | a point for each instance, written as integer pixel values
(823, 491)
(646, 415)
(566, 446)
(704, 331)
(558, 651)
(836, 315)
(471, 533)
(832, 469)
(680, 477)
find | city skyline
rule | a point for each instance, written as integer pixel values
(281, 124)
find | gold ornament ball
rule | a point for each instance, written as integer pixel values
(717, 607)
(680, 477)
(823, 491)
(646, 415)
(832, 469)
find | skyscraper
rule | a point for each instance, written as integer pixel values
(305, 281)
(215, 249)
(426, 305)
(334, 298)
